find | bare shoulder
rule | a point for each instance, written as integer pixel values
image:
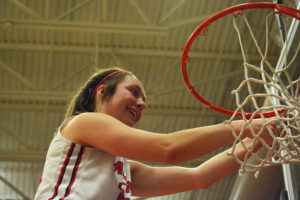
(77, 128)
(95, 129)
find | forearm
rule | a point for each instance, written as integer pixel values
(223, 164)
(193, 143)
(157, 181)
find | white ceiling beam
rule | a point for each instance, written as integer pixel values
(184, 22)
(32, 97)
(104, 7)
(14, 188)
(165, 17)
(47, 9)
(140, 12)
(32, 107)
(16, 137)
(125, 51)
(68, 12)
(22, 156)
(25, 8)
(96, 53)
(69, 76)
(18, 76)
(115, 57)
(202, 82)
(87, 27)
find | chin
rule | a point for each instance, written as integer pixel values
(128, 123)
(131, 124)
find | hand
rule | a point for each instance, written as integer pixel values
(267, 129)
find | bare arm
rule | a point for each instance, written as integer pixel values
(107, 133)
(154, 181)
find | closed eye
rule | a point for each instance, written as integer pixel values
(136, 91)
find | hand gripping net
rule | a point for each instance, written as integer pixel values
(280, 96)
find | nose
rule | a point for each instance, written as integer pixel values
(141, 104)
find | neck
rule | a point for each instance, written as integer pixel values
(98, 107)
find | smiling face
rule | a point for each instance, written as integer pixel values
(127, 103)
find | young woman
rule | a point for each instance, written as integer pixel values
(91, 155)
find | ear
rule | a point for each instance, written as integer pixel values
(100, 90)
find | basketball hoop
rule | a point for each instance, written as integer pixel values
(202, 31)
(284, 96)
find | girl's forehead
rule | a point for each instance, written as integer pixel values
(132, 80)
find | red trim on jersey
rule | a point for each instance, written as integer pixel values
(74, 173)
(40, 181)
(62, 171)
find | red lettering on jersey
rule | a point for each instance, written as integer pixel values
(119, 167)
(121, 197)
(125, 186)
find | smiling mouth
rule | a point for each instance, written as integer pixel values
(132, 113)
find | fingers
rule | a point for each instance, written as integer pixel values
(276, 128)
(266, 129)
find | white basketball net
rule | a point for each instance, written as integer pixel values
(286, 147)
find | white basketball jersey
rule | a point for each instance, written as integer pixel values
(77, 172)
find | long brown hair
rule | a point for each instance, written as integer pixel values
(81, 103)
